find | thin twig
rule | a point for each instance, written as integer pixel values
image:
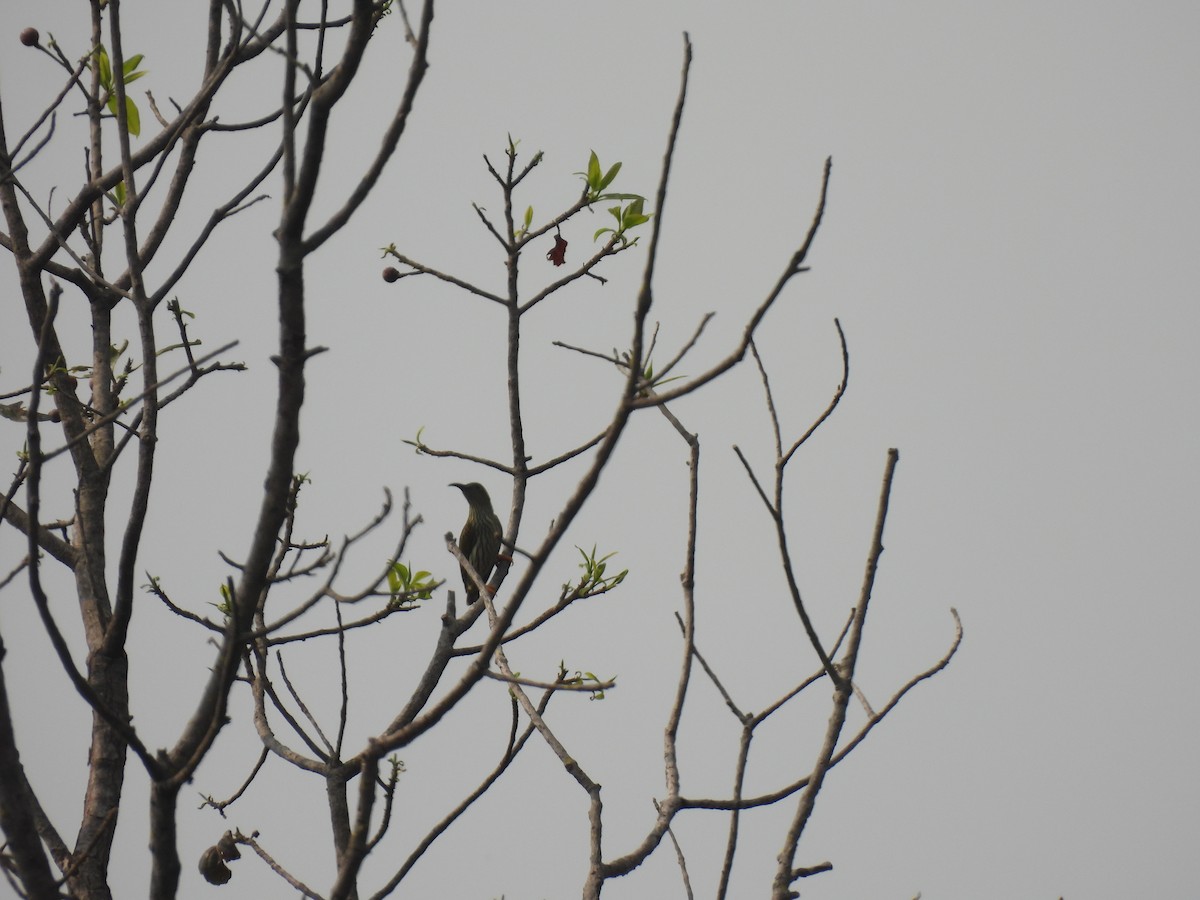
(687, 882)
(124, 407)
(793, 267)
(583, 687)
(221, 805)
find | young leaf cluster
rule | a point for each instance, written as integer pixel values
(130, 73)
(407, 586)
(225, 607)
(525, 224)
(627, 217)
(650, 381)
(593, 581)
(580, 679)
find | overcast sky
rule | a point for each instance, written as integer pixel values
(1010, 246)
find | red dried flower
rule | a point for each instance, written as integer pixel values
(558, 253)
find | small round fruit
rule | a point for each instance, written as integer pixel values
(391, 274)
(30, 37)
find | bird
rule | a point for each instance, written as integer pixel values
(480, 538)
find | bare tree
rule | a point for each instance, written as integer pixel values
(102, 247)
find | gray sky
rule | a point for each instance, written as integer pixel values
(1010, 247)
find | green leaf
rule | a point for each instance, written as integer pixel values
(632, 215)
(593, 172)
(612, 173)
(132, 118)
(105, 68)
(619, 197)
(134, 76)
(132, 63)
(600, 231)
(524, 229)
